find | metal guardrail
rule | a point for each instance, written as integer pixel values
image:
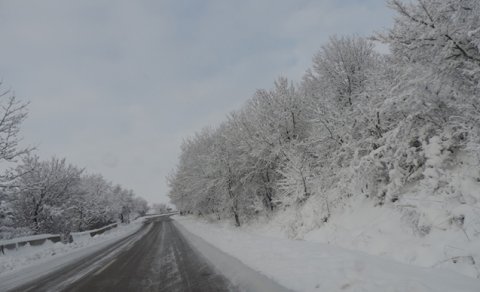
(102, 230)
(94, 232)
(14, 244)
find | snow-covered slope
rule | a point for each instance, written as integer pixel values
(434, 222)
(310, 266)
(382, 231)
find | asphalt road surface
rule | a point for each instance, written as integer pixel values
(161, 260)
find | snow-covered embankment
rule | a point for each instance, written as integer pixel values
(310, 266)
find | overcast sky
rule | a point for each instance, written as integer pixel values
(116, 85)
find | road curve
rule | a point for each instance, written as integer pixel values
(162, 260)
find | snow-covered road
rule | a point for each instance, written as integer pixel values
(158, 257)
(161, 261)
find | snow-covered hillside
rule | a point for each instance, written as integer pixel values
(433, 223)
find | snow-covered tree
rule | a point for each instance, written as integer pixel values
(12, 113)
(359, 124)
(40, 196)
(92, 203)
(271, 122)
(140, 206)
(440, 33)
(343, 65)
(44, 188)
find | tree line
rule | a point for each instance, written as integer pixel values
(359, 123)
(52, 196)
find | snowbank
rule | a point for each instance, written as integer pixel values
(312, 266)
(389, 231)
(383, 232)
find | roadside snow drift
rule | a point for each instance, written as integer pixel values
(310, 266)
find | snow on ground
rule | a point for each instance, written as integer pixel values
(311, 266)
(385, 231)
(49, 252)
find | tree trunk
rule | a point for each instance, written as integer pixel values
(235, 215)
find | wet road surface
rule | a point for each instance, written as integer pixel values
(161, 260)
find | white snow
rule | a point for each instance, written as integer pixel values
(383, 232)
(311, 266)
